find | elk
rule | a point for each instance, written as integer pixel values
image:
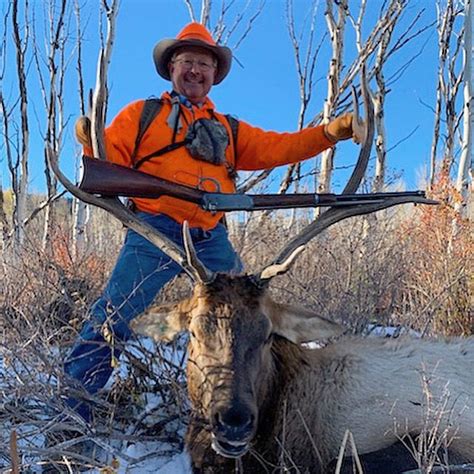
(258, 395)
(260, 398)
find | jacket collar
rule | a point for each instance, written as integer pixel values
(168, 96)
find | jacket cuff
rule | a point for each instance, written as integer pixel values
(330, 137)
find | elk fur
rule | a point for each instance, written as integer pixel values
(306, 399)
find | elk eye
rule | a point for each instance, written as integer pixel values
(191, 333)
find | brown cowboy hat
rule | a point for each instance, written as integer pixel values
(193, 34)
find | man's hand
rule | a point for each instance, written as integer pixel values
(341, 128)
(83, 131)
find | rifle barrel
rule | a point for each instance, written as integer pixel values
(287, 201)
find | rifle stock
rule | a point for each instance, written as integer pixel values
(109, 179)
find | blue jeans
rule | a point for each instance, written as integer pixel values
(140, 272)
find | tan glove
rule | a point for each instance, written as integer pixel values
(341, 128)
(82, 129)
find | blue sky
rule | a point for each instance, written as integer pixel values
(264, 90)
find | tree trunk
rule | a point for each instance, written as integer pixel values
(465, 160)
(21, 192)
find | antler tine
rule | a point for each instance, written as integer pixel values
(288, 256)
(202, 274)
(279, 269)
(295, 247)
(361, 166)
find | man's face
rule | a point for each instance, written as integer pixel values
(192, 72)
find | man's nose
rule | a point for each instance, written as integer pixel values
(195, 67)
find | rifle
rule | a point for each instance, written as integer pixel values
(110, 179)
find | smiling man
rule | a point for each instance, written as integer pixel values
(192, 72)
(190, 143)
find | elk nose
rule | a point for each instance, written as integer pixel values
(234, 422)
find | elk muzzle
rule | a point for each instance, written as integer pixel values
(233, 428)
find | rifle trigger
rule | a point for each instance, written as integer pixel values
(205, 179)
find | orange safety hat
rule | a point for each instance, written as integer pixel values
(193, 34)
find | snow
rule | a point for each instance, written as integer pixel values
(127, 450)
(124, 452)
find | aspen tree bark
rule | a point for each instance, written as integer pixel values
(81, 211)
(4, 116)
(100, 96)
(53, 96)
(449, 84)
(9, 157)
(205, 12)
(379, 111)
(336, 32)
(3, 219)
(21, 170)
(305, 68)
(190, 8)
(465, 167)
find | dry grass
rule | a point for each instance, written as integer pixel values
(400, 267)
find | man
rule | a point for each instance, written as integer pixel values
(190, 143)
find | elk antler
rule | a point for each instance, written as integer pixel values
(98, 101)
(295, 246)
(192, 266)
(203, 274)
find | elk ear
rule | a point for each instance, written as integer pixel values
(298, 324)
(161, 322)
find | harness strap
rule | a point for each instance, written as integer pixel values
(234, 127)
(161, 151)
(150, 110)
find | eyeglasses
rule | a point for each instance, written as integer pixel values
(187, 64)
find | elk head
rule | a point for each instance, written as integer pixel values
(231, 322)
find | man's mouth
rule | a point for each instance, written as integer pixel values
(194, 82)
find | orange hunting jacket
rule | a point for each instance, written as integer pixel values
(255, 149)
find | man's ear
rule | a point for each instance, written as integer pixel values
(161, 322)
(298, 324)
(170, 67)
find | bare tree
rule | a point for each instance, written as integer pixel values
(305, 67)
(232, 22)
(97, 104)
(450, 80)
(52, 82)
(80, 209)
(379, 104)
(336, 32)
(380, 44)
(226, 20)
(3, 50)
(465, 167)
(100, 96)
(19, 167)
